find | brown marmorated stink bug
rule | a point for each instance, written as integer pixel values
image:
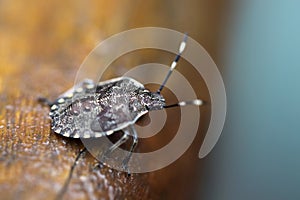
(90, 110)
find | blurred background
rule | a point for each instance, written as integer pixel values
(257, 154)
(254, 44)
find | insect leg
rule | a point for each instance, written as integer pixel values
(134, 135)
(121, 141)
(45, 101)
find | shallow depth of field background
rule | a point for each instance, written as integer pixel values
(255, 44)
(257, 156)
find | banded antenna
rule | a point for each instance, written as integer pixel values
(174, 63)
(196, 102)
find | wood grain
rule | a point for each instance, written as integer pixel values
(41, 47)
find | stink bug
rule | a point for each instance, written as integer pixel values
(90, 110)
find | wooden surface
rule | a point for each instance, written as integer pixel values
(35, 163)
(41, 47)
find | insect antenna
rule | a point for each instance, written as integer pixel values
(174, 63)
(196, 102)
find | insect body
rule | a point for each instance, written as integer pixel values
(91, 110)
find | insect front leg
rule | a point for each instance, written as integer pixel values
(131, 130)
(121, 141)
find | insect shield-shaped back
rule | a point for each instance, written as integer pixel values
(90, 110)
